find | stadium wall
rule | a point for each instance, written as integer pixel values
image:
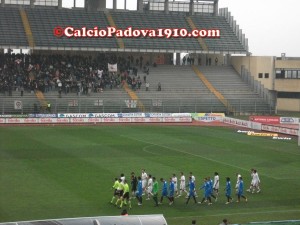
(264, 69)
(289, 64)
(287, 85)
(256, 65)
(291, 104)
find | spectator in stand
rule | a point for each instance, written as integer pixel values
(40, 72)
(158, 86)
(183, 60)
(147, 86)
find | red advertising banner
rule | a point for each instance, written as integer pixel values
(47, 120)
(265, 119)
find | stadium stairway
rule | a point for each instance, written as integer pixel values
(42, 99)
(213, 89)
(113, 24)
(199, 39)
(133, 96)
(238, 93)
(27, 28)
(181, 91)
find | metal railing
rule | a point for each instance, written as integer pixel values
(93, 104)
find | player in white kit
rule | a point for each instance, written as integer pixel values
(182, 186)
(149, 186)
(216, 184)
(144, 178)
(256, 182)
(175, 181)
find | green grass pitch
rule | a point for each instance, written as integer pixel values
(64, 172)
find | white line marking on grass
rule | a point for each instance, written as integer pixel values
(146, 147)
(241, 213)
(200, 156)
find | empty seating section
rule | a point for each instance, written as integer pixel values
(43, 21)
(228, 40)
(11, 27)
(227, 81)
(181, 88)
(138, 20)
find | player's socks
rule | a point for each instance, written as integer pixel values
(113, 198)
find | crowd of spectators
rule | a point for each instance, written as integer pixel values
(64, 74)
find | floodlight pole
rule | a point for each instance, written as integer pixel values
(216, 7)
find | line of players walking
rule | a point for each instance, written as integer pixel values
(148, 185)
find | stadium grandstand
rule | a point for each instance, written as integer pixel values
(41, 64)
(61, 63)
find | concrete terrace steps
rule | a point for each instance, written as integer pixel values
(115, 93)
(181, 87)
(238, 93)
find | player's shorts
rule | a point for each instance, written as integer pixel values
(126, 195)
(116, 192)
(182, 186)
(217, 187)
(149, 189)
(207, 194)
(164, 194)
(191, 193)
(171, 194)
(121, 192)
(175, 188)
(133, 188)
(228, 193)
(144, 183)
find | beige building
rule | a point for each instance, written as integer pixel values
(280, 75)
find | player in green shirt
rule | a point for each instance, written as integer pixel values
(115, 187)
(155, 191)
(125, 196)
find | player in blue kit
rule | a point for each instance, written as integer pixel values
(228, 190)
(139, 191)
(192, 191)
(241, 190)
(164, 192)
(207, 191)
(171, 191)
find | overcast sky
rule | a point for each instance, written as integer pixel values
(271, 26)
